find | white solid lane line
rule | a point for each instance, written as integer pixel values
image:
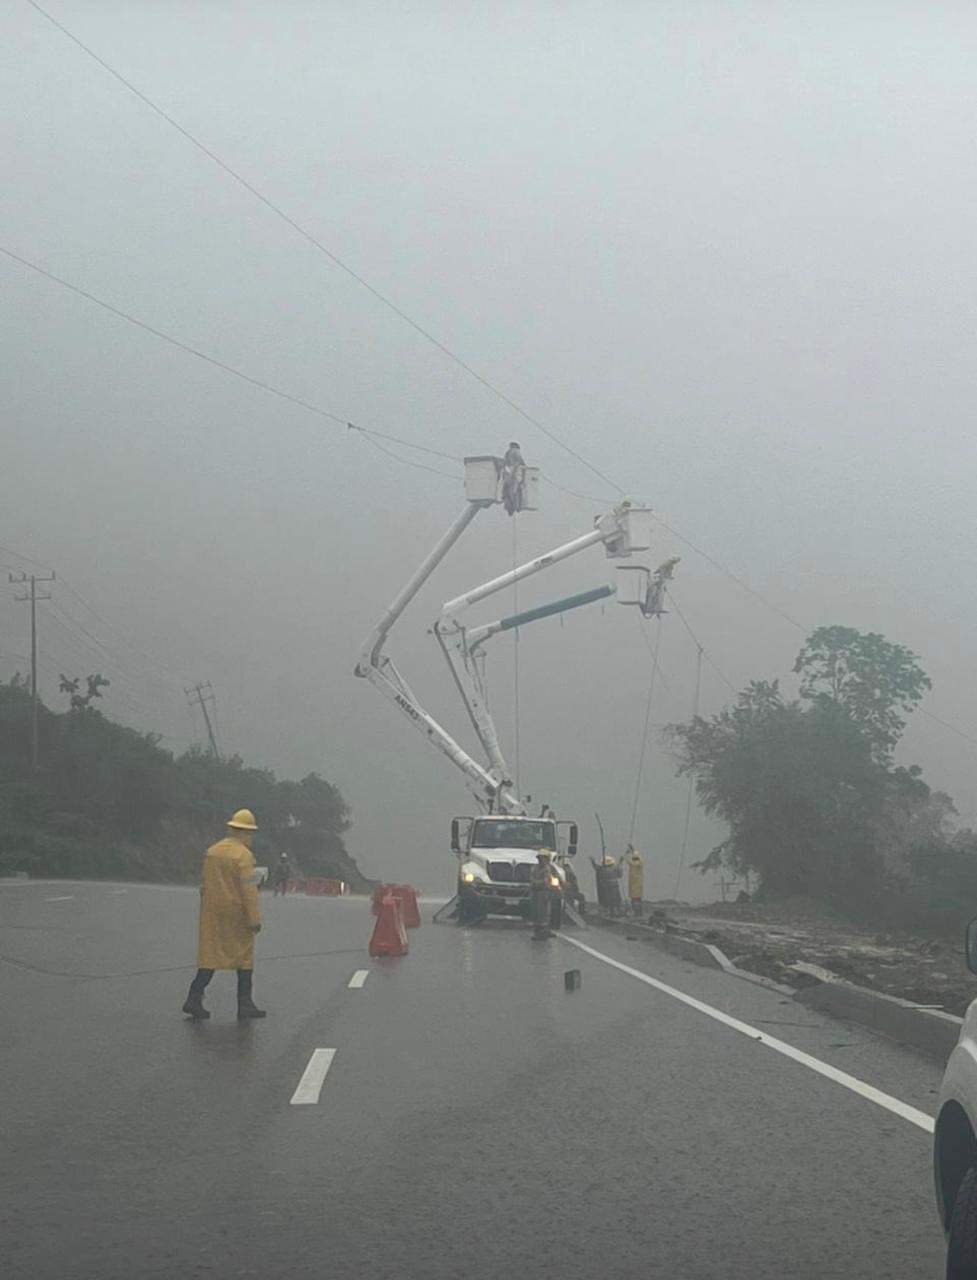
(901, 1109)
(67, 897)
(310, 1086)
(358, 978)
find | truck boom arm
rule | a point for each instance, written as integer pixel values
(459, 646)
(374, 666)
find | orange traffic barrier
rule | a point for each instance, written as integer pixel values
(389, 935)
(408, 899)
(380, 891)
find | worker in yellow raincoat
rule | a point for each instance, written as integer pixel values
(635, 864)
(229, 917)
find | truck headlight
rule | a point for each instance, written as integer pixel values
(469, 877)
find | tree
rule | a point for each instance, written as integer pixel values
(83, 701)
(877, 682)
(110, 801)
(797, 787)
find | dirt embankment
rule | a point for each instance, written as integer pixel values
(773, 939)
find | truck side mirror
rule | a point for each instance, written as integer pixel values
(971, 946)
(455, 841)
(573, 841)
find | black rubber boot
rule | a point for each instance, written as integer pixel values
(246, 1007)
(194, 1006)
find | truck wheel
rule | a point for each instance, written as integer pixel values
(961, 1256)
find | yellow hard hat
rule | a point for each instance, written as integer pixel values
(543, 853)
(243, 820)
(609, 861)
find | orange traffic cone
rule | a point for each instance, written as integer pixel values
(389, 935)
(408, 901)
(380, 891)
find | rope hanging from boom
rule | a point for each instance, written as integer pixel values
(644, 736)
(688, 798)
(515, 657)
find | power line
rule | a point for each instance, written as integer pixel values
(86, 651)
(370, 433)
(745, 586)
(18, 555)
(408, 444)
(695, 639)
(175, 342)
(153, 663)
(405, 462)
(328, 253)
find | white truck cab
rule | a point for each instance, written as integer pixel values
(496, 855)
(955, 1143)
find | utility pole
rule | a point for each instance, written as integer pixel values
(22, 579)
(200, 695)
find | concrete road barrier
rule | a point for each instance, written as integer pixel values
(931, 1031)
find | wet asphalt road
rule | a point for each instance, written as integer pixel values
(477, 1120)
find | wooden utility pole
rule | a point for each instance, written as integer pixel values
(200, 695)
(23, 579)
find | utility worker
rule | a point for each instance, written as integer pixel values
(229, 917)
(513, 471)
(612, 881)
(281, 875)
(636, 878)
(608, 875)
(541, 881)
(573, 888)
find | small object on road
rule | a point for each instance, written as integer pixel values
(229, 917)
(571, 980)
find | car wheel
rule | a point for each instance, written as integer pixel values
(961, 1257)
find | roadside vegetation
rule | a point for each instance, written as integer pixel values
(816, 805)
(108, 801)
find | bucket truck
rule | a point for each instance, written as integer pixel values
(496, 850)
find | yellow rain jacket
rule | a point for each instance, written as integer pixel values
(228, 907)
(636, 874)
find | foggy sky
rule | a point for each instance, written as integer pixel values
(724, 250)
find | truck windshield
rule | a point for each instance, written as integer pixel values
(495, 833)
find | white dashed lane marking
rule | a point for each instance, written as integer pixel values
(358, 978)
(310, 1086)
(884, 1100)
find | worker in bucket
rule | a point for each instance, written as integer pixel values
(513, 471)
(229, 917)
(635, 865)
(543, 882)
